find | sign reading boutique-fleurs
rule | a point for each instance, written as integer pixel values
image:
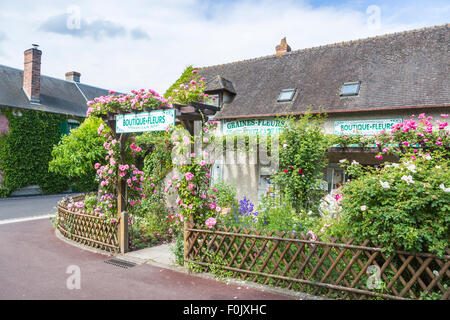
(364, 127)
(157, 120)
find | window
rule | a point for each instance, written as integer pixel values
(350, 89)
(286, 95)
(73, 124)
(212, 100)
(335, 177)
(64, 128)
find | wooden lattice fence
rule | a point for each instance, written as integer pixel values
(337, 268)
(88, 229)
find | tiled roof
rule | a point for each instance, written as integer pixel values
(405, 69)
(57, 95)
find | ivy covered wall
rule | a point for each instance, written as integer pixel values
(26, 151)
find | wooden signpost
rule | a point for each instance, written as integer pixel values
(122, 125)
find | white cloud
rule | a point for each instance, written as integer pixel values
(179, 33)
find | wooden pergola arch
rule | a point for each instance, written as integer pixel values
(185, 115)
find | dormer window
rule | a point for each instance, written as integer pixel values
(350, 89)
(286, 95)
(221, 89)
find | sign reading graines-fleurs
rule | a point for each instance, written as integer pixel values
(157, 120)
(364, 127)
(253, 126)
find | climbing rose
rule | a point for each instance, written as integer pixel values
(189, 176)
(210, 222)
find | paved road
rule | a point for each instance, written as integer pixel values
(33, 264)
(19, 207)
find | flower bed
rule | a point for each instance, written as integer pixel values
(89, 229)
(336, 268)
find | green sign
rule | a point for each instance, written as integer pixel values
(364, 127)
(157, 120)
(253, 126)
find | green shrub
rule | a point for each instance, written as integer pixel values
(275, 215)
(401, 206)
(178, 249)
(302, 158)
(76, 154)
(226, 194)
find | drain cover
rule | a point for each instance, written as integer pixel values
(121, 263)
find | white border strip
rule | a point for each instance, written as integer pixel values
(6, 221)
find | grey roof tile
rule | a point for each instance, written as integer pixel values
(406, 69)
(57, 95)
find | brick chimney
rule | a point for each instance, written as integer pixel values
(32, 73)
(73, 76)
(282, 48)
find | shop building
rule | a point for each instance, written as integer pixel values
(363, 86)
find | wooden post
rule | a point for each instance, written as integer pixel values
(121, 210)
(188, 223)
(122, 195)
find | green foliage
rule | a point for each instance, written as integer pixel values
(75, 155)
(427, 295)
(26, 151)
(192, 91)
(401, 206)
(186, 76)
(303, 156)
(215, 266)
(192, 181)
(157, 157)
(355, 140)
(274, 215)
(153, 223)
(178, 249)
(226, 194)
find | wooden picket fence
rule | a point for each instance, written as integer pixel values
(87, 229)
(337, 268)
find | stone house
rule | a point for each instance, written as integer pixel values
(28, 89)
(367, 84)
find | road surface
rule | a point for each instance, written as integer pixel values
(33, 265)
(20, 207)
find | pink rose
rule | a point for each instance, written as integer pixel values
(210, 222)
(189, 176)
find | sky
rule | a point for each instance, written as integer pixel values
(125, 45)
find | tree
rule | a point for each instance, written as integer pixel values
(75, 155)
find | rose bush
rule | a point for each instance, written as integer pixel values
(302, 158)
(414, 135)
(137, 100)
(403, 205)
(191, 90)
(192, 181)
